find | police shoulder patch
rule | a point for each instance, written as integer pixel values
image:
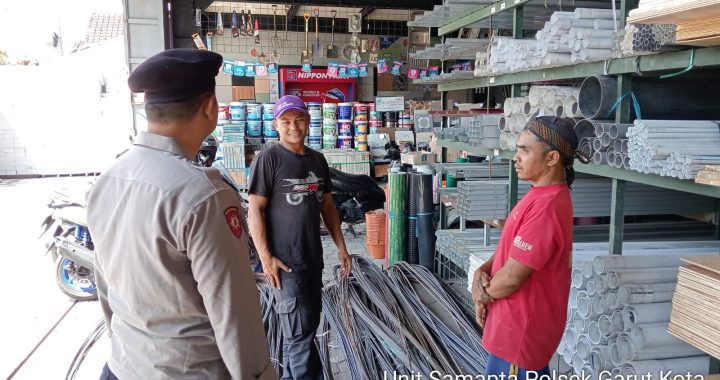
(232, 216)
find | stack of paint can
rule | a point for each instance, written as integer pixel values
(345, 126)
(315, 135)
(330, 125)
(254, 120)
(232, 147)
(374, 119)
(361, 126)
(270, 134)
(223, 113)
(405, 121)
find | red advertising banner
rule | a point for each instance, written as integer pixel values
(316, 86)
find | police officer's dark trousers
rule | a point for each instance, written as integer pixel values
(299, 305)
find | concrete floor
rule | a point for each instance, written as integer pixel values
(40, 328)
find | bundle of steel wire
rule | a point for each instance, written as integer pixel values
(401, 322)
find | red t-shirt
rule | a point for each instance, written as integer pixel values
(526, 327)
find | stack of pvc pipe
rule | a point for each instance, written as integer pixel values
(604, 142)
(560, 101)
(483, 200)
(674, 148)
(516, 113)
(619, 308)
(485, 130)
(585, 35)
(646, 38)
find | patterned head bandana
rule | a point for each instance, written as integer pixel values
(560, 135)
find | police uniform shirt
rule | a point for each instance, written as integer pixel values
(172, 269)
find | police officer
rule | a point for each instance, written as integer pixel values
(289, 191)
(172, 268)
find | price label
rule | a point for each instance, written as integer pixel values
(492, 80)
(502, 6)
(493, 10)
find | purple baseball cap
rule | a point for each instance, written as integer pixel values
(288, 103)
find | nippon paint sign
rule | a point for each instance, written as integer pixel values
(316, 86)
(317, 75)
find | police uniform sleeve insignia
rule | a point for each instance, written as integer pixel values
(232, 216)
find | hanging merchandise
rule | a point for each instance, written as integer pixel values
(307, 67)
(235, 25)
(250, 70)
(413, 73)
(382, 66)
(208, 38)
(242, 26)
(467, 66)
(433, 70)
(228, 67)
(261, 70)
(363, 70)
(332, 69)
(307, 53)
(353, 71)
(318, 48)
(239, 69)
(343, 71)
(256, 32)
(397, 182)
(457, 67)
(272, 68)
(397, 68)
(220, 28)
(332, 49)
(423, 73)
(198, 41)
(249, 26)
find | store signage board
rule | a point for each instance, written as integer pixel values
(389, 103)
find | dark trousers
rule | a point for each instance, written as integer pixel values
(299, 305)
(107, 374)
(497, 366)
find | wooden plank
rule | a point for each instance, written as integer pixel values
(675, 12)
(706, 42)
(711, 263)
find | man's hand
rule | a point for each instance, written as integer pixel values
(480, 313)
(345, 264)
(481, 280)
(271, 267)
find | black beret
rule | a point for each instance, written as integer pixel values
(176, 75)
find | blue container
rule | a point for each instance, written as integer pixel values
(238, 111)
(254, 111)
(345, 111)
(254, 128)
(269, 129)
(268, 109)
(315, 142)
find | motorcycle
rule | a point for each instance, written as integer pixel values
(354, 195)
(70, 243)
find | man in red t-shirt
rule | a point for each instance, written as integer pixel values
(523, 289)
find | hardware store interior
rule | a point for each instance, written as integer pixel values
(439, 103)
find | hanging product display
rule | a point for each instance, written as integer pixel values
(397, 236)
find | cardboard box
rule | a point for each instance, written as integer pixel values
(391, 131)
(418, 158)
(381, 170)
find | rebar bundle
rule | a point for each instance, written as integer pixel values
(383, 322)
(673, 148)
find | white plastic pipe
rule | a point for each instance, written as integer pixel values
(599, 282)
(583, 347)
(652, 335)
(615, 355)
(592, 13)
(600, 358)
(594, 333)
(607, 263)
(572, 299)
(576, 278)
(629, 352)
(617, 321)
(580, 324)
(606, 24)
(611, 301)
(645, 293)
(558, 108)
(599, 306)
(646, 313)
(698, 365)
(605, 329)
(589, 33)
(587, 269)
(641, 276)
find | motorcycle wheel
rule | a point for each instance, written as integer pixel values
(75, 281)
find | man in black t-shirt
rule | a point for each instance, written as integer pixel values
(289, 191)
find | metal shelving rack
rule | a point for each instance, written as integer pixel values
(623, 68)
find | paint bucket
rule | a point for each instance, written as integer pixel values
(235, 127)
(269, 129)
(223, 111)
(254, 128)
(361, 143)
(360, 111)
(361, 127)
(315, 129)
(373, 115)
(238, 111)
(371, 107)
(345, 142)
(329, 142)
(315, 110)
(345, 111)
(345, 128)
(315, 143)
(330, 130)
(254, 111)
(329, 111)
(268, 109)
